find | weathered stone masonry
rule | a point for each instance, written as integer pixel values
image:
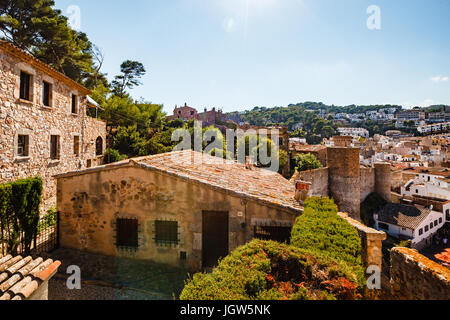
(39, 122)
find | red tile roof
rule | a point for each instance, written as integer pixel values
(258, 184)
(21, 277)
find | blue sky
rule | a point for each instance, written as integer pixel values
(237, 54)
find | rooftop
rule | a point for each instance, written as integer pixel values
(21, 277)
(437, 171)
(403, 215)
(305, 148)
(256, 183)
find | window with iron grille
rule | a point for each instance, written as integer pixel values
(166, 232)
(25, 84)
(22, 145)
(127, 233)
(276, 233)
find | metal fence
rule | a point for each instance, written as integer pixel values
(45, 240)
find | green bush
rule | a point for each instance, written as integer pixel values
(19, 211)
(112, 155)
(267, 270)
(305, 162)
(49, 220)
(321, 230)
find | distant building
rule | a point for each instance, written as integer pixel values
(354, 132)
(187, 113)
(428, 182)
(434, 128)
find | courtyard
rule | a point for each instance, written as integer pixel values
(109, 278)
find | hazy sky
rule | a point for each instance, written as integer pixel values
(237, 54)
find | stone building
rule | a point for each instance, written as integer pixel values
(44, 127)
(181, 208)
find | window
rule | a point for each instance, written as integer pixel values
(99, 146)
(46, 93)
(54, 147)
(436, 223)
(23, 145)
(440, 220)
(89, 163)
(431, 225)
(280, 234)
(383, 226)
(426, 228)
(25, 85)
(166, 232)
(76, 145)
(420, 232)
(74, 104)
(417, 190)
(127, 233)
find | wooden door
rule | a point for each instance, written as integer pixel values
(215, 237)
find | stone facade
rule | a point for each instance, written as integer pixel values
(31, 118)
(414, 277)
(91, 202)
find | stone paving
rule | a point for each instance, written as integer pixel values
(109, 278)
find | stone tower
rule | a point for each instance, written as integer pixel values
(344, 179)
(383, 180)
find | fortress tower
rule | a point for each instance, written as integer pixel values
(344, 179)
(383, 180)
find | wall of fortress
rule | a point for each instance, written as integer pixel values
(344, 178)
(414, 277)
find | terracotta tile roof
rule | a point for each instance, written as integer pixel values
(20, 277)
(258, 184)
(305, 148)
(443, 172)
(403, 215)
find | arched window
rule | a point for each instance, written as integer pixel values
(99, 146)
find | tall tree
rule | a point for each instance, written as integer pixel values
(37, 28)
(131, 73)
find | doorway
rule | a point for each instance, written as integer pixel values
(214, 237)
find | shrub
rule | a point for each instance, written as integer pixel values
(267, 270)
(307, 162)
(112, 155)
(321, 230)
(19, 211)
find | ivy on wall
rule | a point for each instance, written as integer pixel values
(19, 213)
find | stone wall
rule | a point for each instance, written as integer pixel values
(32, 118)
(371, 242)
(414, 277)
(367, 182)
(318, 179)
(90, 203)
